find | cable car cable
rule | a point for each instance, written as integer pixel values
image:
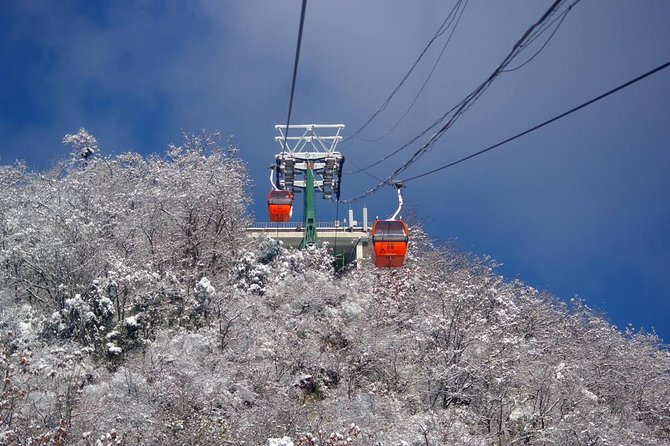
(466, 103)
(547, 122)
(531, 38)
(295, 71)
(404, 146)
(560, 20)
(430, 74)
(364, 170)
(457, 18)
(441, 30)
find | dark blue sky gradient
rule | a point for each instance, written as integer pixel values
(577, 208)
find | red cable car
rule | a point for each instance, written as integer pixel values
(280, 205)
(389, 243)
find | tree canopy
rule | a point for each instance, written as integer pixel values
(136, 311)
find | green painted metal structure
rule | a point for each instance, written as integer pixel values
(310, 236)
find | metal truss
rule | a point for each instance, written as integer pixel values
(310, 141)
(313, 150)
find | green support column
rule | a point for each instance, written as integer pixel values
(309, 236)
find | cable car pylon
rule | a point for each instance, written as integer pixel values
(307, 163)
(390, 237)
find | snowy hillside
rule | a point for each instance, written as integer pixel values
(136, 312)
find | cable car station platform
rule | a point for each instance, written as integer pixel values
(351, 242)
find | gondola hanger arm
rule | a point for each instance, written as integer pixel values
(398, 186)
(272, 174)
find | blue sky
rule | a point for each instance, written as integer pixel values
(577, 208)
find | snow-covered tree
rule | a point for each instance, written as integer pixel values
(136, 311)
(84, 145)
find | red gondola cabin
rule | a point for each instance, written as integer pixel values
(389, 243)
(280, 204)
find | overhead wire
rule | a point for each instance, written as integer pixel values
(453, 17)
(560, 20)
(531, 38)
(467, 102)
(441, 30)
(545, 123)
(295, 71)
(430, 74)
(404, 146)
(364, 170)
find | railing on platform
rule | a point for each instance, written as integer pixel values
(293, 226)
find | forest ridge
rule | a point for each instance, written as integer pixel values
(135, 311)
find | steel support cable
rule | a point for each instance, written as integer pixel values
(441, 30)
(465, 104)
(541, 29)
(430, 74)
(560, 20)
(547, 122)
(295, 71)
(404, 146)
(364, 170)
(530, 59)
(457, 18)
(532, 37)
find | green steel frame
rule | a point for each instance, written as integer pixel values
(310, 236)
